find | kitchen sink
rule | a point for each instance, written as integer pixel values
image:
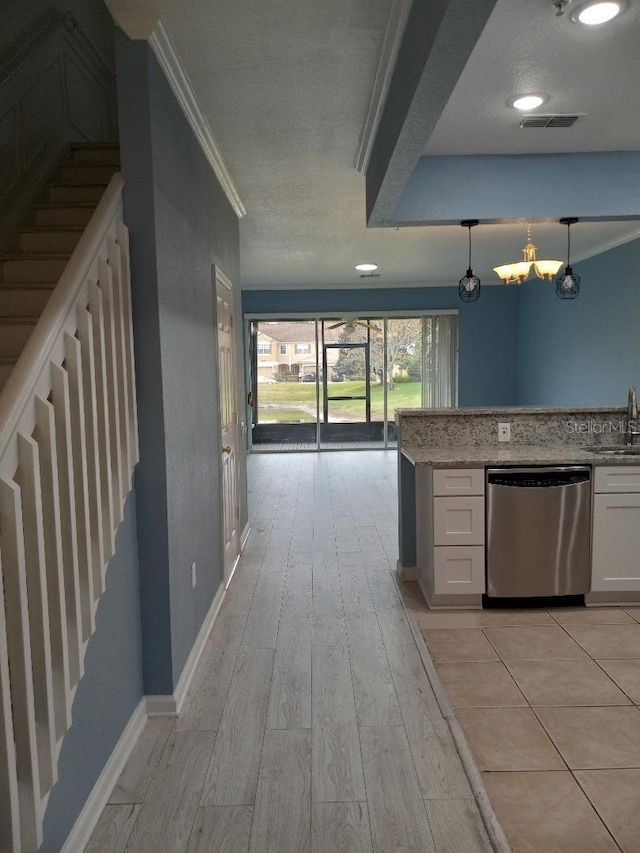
(614, 451)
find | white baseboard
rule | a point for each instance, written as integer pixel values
(407, 573)
(98, 798)
(243, 541)
(161, 705)
(171, 705)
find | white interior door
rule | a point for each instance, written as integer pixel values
(229, 431)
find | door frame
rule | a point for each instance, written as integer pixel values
(326, 399)
(228, 567)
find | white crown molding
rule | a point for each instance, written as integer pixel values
(363, 284)
(136, 24)
(151, 28)
(599, 248)
(170, 62)
(101, 791)
(396, 24)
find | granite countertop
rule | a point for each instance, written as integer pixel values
(523, 454)
(510, 410)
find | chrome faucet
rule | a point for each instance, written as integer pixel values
(633, 424)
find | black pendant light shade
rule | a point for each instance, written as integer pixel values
(568, 283)
(469, 285)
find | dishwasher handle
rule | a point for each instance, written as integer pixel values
(539, 478)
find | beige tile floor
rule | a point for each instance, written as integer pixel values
(310, 725)
(548, 701)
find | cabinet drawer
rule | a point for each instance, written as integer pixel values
(458, 521)
(458, 570)
(458, 481)
(622, 478)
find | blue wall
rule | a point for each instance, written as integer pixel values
(181, 224)
(584, 351)
(487, 328)
(497, 187)
(108, 693)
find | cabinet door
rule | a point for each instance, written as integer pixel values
(458, 570)
(458, 521)
(616, 543)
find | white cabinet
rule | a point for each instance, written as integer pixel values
(458, 569)
(458, 521)
(622, 478)
(458, 481)
(450, 525)
(616, 529)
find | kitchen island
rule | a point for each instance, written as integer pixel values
(443, 458)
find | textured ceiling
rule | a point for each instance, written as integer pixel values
(285, 87)
(590, 71)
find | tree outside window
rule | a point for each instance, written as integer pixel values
(404, 349)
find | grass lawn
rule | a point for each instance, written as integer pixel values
(303, 394)
(285, 416)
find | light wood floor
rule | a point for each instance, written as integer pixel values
(310, 725)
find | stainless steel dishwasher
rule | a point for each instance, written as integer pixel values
(538, 531)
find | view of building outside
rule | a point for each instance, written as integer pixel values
(287, 363)
(286, 351)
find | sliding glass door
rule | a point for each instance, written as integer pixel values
(284, 379)
(335, 383)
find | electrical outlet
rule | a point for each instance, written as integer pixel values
(504, 432)
(194, 578)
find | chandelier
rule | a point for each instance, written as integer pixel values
(520, 271)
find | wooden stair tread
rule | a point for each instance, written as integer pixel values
(46, 229)
(35, 256)
(27, 285)
(78, 146)
(76, 184)
(64, 205)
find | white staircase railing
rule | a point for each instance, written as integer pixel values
(68, 446)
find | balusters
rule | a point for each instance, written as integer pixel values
(115, 263)
(28, 478)
(104, 433)
(19, 649)
(64, 475)
(45, 435)
(9, 813)
(73, 361)
(106, 285)
(123, 242)
(98, 557)
(60, 395)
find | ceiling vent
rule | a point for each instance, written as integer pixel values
(549, 121)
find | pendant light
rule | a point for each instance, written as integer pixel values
(568, 283)
(469, 285)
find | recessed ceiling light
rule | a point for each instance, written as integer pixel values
(527, 102)
(596, 12)
(366, 267)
